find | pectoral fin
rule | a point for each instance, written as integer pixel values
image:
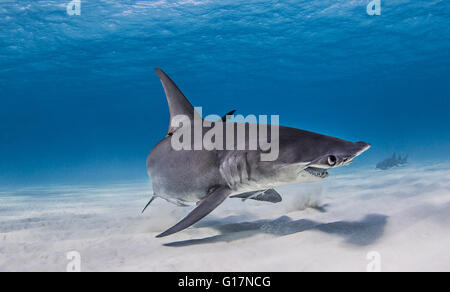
(204, 208)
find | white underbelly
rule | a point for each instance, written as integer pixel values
(274, 182)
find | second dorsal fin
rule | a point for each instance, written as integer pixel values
(178, 103)
(228, 116)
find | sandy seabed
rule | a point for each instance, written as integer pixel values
(402, 216)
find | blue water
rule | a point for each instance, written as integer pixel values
(80, 102)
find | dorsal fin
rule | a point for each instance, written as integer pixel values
(178, 103)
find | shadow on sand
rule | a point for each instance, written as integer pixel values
(362, 233)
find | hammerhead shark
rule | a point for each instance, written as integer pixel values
(208, 176)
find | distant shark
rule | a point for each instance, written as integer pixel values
(392, 162)
(209, 177)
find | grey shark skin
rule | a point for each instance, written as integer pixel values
(210, 177)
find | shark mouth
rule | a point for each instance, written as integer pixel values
(317, 172)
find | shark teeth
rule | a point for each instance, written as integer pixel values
(319, 172)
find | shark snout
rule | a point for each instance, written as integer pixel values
(360, 148)
(363, 147)
(342, 156)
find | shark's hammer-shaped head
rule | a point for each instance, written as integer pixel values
(312, 154)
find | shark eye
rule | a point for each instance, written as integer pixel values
(332, 160)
